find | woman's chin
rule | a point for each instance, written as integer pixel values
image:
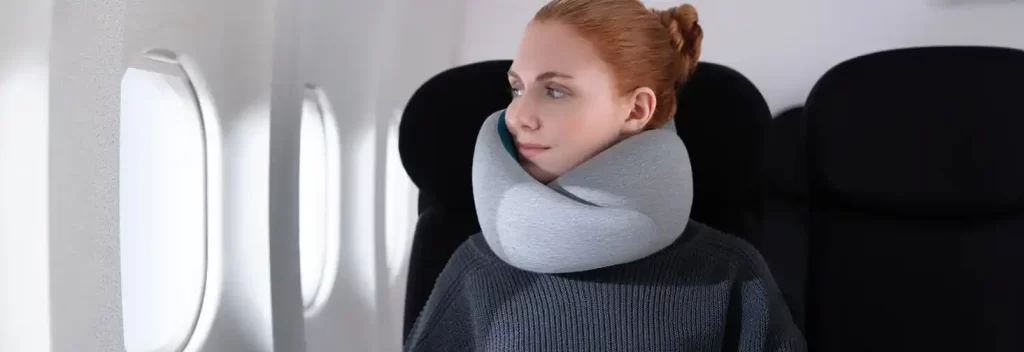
(538, 173)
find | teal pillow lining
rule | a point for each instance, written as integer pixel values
(506, 137)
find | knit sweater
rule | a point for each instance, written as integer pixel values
(708, 291)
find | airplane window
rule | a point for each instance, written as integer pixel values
(162, 206)
(401, 206)
(318, 197)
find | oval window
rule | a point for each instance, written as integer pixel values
(162, 205)
(319, 198)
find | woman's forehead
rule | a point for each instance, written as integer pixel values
(554, 47)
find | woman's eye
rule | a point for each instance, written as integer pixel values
(555, 93)
(516, 92)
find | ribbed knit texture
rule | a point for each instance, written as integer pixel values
(708, 291)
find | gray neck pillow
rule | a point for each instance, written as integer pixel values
(624, 204)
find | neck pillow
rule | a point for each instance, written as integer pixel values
(626, 203)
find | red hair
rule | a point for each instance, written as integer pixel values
(645, 48)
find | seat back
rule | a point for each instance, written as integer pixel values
(435, 142)
(916, 162)
(783, 237)
(720, 118)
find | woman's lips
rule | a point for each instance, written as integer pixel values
(529, 150)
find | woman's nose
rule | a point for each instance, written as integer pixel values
(523, 115)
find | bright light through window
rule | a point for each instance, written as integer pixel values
(401, 206)
(162, 207)
(315, 228)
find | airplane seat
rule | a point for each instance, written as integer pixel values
(783, 237)
(915, 162)
(439, 126)
(721, 117)
(435, 142)
(724, 121)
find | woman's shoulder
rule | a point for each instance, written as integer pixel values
(465, 268)
(726, 249)
(472, 257)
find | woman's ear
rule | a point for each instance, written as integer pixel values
(643, 102)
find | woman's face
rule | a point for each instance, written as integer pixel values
(565, 107)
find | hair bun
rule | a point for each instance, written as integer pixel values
(687, 34)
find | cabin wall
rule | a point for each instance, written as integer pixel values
(369, 57)
(287, 93)
(86, 66)
(24, 246)
(784, 46)
(339, 52)
(226, 47)
(60, 79)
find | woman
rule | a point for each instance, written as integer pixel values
(583, 191)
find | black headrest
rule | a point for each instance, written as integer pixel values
(721, 118)
(934, 131)
(439, 127)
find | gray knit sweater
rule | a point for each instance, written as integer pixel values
(708, 291)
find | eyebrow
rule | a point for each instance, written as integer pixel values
(543, 76)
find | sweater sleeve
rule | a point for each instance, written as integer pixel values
(445, 324)
(764, 320)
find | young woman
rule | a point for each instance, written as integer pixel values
(583, 191)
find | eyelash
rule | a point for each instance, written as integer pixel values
(553, 90)
(516, 92)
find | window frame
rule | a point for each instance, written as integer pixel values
(168, 63)
(334, 191)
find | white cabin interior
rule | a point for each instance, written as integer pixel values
(107, 106)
